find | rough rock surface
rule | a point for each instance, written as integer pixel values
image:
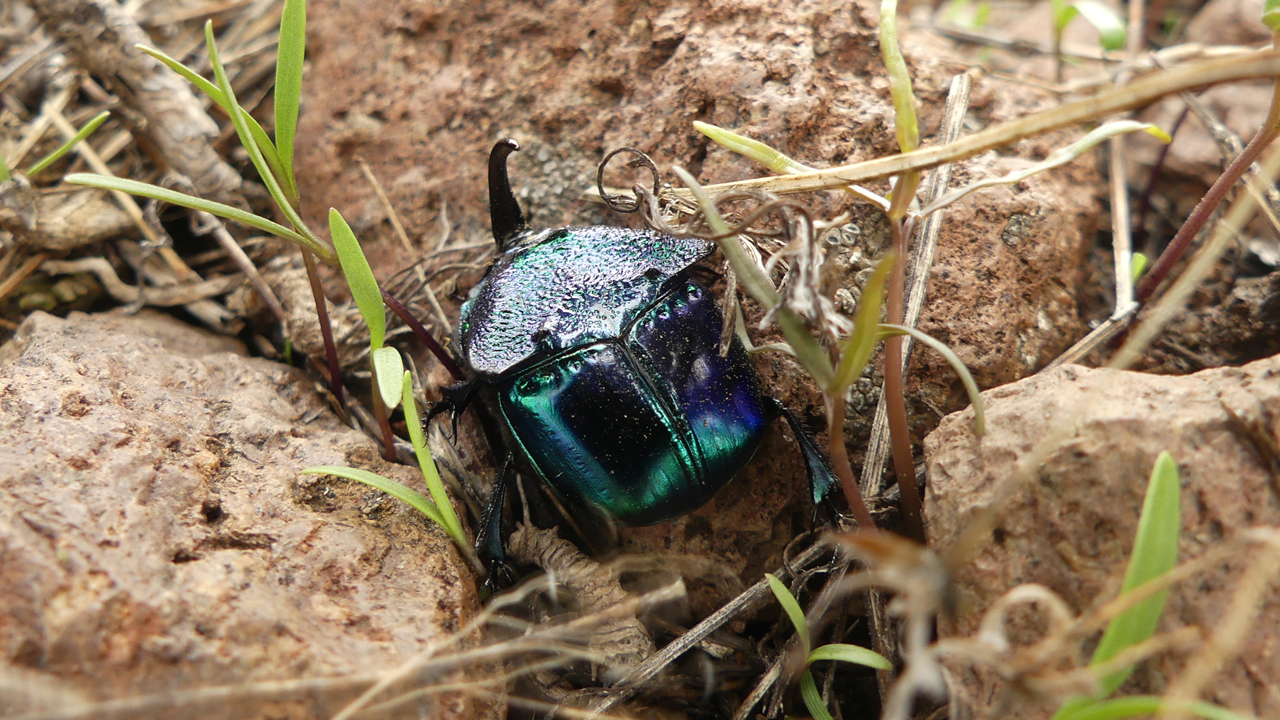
(421, 90)
(155, 534)
(1241, 107)
(1071, 526)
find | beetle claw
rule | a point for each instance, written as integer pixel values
(456, 399)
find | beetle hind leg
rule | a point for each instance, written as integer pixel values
(492, 529)
(821, 477)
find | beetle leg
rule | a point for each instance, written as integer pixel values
(456, 399)
(489, 541)
(821, 476)
(504, 211)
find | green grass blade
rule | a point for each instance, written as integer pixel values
(856, 351)
(906, 127)
(1155, 552)
(390, 487)
(855, 654)
(288, 94)
(751, 149)
(85, 132)
(1145, 705)
(360, 279)
(812, 698)
(190, 75)
(792, 608)
(241, 123)
(255, 129)
(141, 189)
(966, 378)
(428, 465)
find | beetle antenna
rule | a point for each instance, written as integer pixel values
(504, 211)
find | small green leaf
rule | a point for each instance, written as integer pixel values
(85, 132)
(1271, 15)
(388, 366)
(751, 149)
(812, 698)
(141, 189)
(390, 487)
(1063, 14)
(1155, 552)
(792, 608)
(855, 654)
(430, 473)
(5, 175)
(1110, 25)
(288, 94)
(360, 279)
(856, 351)
(1138, 265)
(1146, 705)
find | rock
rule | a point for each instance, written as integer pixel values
(1071, 526)
(1229, 22)
(1241, 107)
(156, 535)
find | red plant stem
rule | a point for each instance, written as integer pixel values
(1214, 197)
(424, 335)
(380, 412)
(840, 462)
(326, 332)
(894, 393)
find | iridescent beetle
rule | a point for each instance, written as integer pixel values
(598, 350)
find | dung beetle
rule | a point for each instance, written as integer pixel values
(598, 352)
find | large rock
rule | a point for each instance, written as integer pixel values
(156, 536)
(1067, 517)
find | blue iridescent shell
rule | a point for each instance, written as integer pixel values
(602, 355)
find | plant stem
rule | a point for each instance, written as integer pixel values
(326, 332)
(424, 335)
(384, 423)
(894, 392)
(840, 461)
(1214, 197)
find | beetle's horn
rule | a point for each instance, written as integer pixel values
(504, 211)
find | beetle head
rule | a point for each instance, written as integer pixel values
(504, 211)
